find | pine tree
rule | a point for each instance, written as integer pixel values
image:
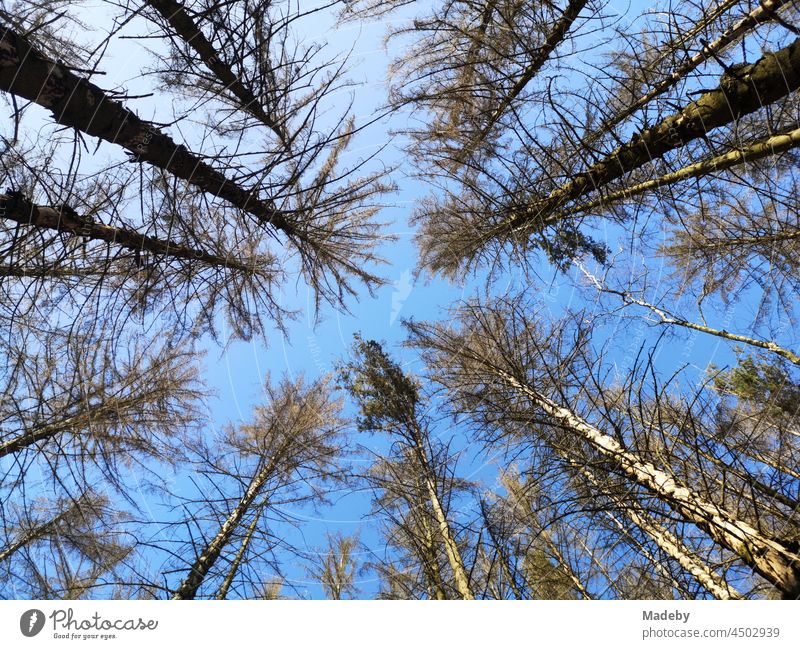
(417, 478)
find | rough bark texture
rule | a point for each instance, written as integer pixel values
(672, 546)
(210, 553)
(765, 12)
(770, 146)
(769, 558)
(451, 547)
(430, 563)
(29, 438)
(771, 78)
(80, 104)
(63, 219)
(237, 561)
(186, 28)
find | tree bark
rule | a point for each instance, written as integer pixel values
(671, 545)
(765, 12)
(771, 559)
(771, 78)
(211, 552)
(78, 103)
(64, 219)
(226, 585)
(185, 27)
(450, 545)
(770, 146)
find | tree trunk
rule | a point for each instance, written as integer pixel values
(223, 590)
(771, 559)
(78, 103)
(774, 76)
(210, 553)
(671, 545)
(63, 219)
(553, 40)
(761, 14)
(450, 545)
(770, 146)
(175, 15)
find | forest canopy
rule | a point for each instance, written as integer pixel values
(582, 222)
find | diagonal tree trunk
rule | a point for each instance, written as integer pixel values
(451, 547)
(34, 534)
(566, 568)
(765, 12)
(185, 27)
(553, 39)
(431, 563)
(78, 103)
(211, 552)
(556, 36)
(769, 558)
(774, 76)
(63, 219)
(237, 561)
(670, 544)
(767, 147)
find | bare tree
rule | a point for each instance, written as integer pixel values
(211, 218)
(283, 456)
(417, 477)
(66, 549)
(336, 568)
(500, 356)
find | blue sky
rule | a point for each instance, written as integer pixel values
(237, 371)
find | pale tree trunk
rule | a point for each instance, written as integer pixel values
(765, 12)
(431, 563)
(646, 553)
(31, 536)
(726, 467)
(526, 509)
(771, 559)
(450, 546)
(774, 145)
(211, 552)
(237, 560)
(671, 545)
(565, 567)
(106, 412)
